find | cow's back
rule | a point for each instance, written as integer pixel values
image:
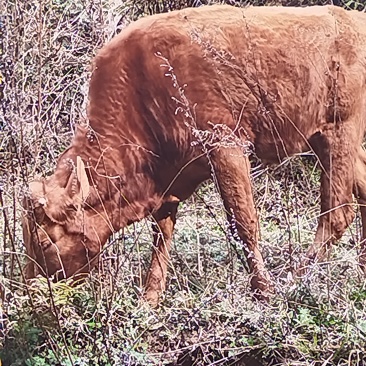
(264, 68)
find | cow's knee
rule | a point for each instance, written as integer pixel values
(341, 219)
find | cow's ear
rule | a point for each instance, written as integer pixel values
(82, 179)
(78, 187)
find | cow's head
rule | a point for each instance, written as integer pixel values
(55, 224)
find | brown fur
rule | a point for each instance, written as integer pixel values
(178, 96)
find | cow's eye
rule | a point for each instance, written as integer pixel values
(72, 207)
(39, 213)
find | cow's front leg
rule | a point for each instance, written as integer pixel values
(163, 229)
(231, 170)
(337, 154)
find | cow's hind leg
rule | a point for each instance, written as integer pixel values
(337, 153)
(231, 170)
(360, 193)
(163, 228)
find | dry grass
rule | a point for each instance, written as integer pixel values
(207, 316)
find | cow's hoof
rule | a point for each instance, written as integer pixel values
(262, 288)
(152, 297)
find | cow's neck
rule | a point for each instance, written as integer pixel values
(120, 195)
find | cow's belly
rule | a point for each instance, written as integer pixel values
(277, 151)
(277, 143)
(183, 183)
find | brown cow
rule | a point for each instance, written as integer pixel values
(178, 98)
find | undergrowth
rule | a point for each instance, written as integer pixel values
(207, 315)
